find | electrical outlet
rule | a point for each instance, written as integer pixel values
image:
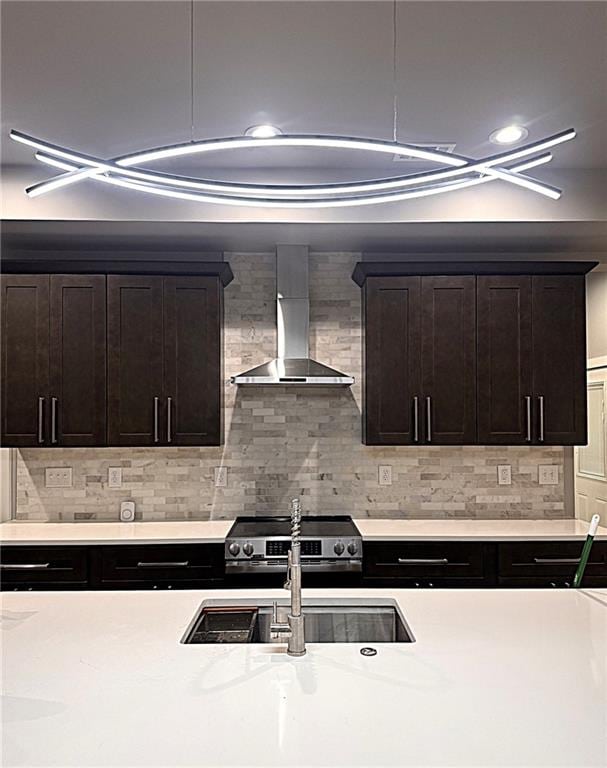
(58, 477)
(221, 477)
(548, 474)
(114, 477)
(385, 474)
(504, 474)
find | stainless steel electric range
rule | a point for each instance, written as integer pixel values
(259, 545)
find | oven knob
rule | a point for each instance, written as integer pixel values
(338, 548)
(248, 549)
(234, 548)
(352, 548)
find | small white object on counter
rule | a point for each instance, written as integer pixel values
(504, 678)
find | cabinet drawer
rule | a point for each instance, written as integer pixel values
(429, 563)
(43, 567)
(147, 566)
(549, 563)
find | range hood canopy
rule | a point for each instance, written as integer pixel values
(293, 364)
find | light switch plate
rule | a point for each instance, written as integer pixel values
(548, 474)
(114, 477)
(221, 477)
(58, 477)
(504, 474)
(385, 474)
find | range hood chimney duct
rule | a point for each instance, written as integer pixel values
(293, 364)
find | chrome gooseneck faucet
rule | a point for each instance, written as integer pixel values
(294, 627)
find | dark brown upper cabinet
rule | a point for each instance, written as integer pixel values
(164, 364)
(485, 353)
(131, 356)
(449, 359)
(559, 359)
(53, 360)
(420, 358)
(193, 380)
(77, 360)
(392, 364)
(25, 359)
(505, 371)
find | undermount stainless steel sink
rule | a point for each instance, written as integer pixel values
(349, 621)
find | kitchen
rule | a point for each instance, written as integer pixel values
(405, 399)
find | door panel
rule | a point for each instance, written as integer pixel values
(559, 359)
(134, 360)
(25, 360)
(77, 359)
(192, 360)
(449, 359)
(504, 359)
(392, 360)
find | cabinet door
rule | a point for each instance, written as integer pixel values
(392, 361)
(559, 359)
(192, 361)
(77, 360)
(504, 362)
(134, 360)
(25, 360)
(449, 359)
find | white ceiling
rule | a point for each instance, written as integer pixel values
(111, 77)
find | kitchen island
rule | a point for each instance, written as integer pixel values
(494, 678)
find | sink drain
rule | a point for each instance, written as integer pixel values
(368, 651)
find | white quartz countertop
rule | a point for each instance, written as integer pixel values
(508, 678)
(216, 531)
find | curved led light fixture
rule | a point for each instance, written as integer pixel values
(460, 173)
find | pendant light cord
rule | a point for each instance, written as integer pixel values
(394, 77)
(192, 70)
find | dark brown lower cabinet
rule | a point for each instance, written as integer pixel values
(52, 567)
(429, 564)
(549, 563)
(157, 566)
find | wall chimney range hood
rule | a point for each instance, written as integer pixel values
(293, 364)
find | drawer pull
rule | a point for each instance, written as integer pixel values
(24, 566)
(556, 560)
(422, 561)
(168, 564)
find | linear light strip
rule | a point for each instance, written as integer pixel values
(268, 203)
(226, 188)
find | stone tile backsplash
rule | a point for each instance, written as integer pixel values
(283, 441)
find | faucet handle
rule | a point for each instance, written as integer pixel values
(287, 584)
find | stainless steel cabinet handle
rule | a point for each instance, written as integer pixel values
(40, 419)
(556, 560)
(24, 566)
(169, 564)
(156, 438)
(528, 407)
(429, 419)
(541, 404)
(53, 420)
(422, 561)
(416, 419)
(169, 419)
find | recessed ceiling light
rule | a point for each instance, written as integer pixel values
(509, 135)
(263, 131)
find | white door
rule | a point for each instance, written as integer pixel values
(591, 459)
